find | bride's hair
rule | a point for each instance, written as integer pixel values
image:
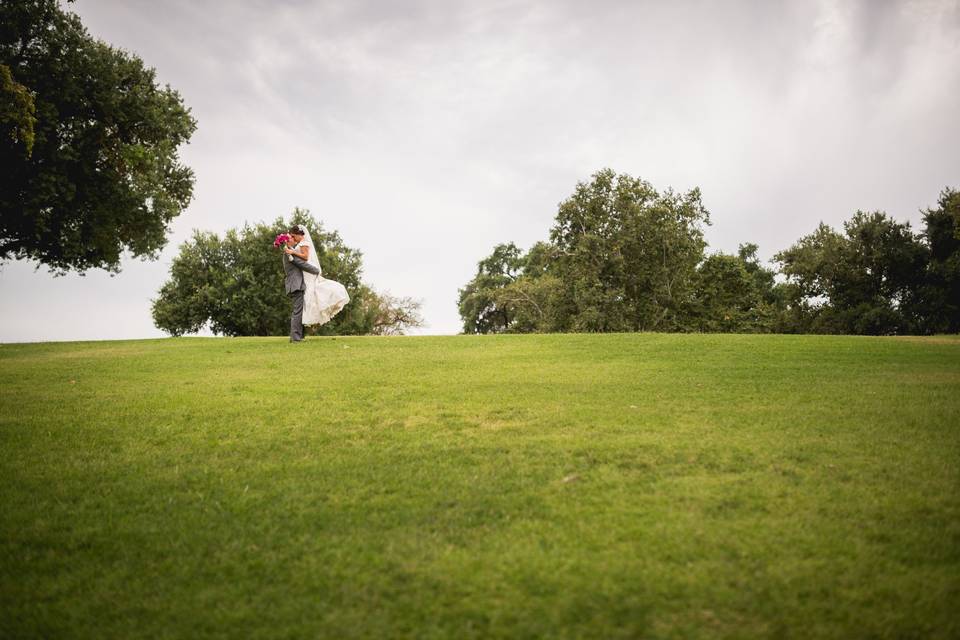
(297, 229)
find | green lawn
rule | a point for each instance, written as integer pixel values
(661, 486)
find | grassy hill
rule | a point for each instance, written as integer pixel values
(514, 486)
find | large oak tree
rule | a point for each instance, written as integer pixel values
(89, 145)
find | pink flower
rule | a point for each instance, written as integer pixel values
(281, 240)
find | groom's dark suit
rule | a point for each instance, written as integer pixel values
(295, 286)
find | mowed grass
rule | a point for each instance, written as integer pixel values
(660, 486)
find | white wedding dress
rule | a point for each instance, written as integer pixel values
(323, 298)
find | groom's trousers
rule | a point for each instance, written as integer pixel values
(296, 318)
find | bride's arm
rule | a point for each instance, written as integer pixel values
(304, 253)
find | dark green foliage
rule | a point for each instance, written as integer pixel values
(103, 174)
(512, 292)
(624, 257)
(736, 294)
(941, 294)
(864, 281)
(621, 257)
(627, 254)
(478, 300)
(235, 284)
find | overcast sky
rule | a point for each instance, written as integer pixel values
(427, 132)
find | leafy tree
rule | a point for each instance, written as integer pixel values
(512, 292)
(235, 283)
(90, 143)
(864, 281)
(941, 294)
(621, 257)
(386, 315)
(736, 294)
(478, 299)
(534, 304)
(627, 255)
(764, 279)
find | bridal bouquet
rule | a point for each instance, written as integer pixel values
(281, 240)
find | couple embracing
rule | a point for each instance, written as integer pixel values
(315, 299)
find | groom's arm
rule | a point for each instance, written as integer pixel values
(303, 265)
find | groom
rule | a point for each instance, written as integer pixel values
(293, 268)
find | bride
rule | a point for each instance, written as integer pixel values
(323, 298)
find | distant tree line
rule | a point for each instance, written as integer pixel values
(234, 285)
(623, 257)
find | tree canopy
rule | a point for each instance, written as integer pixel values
(627, 254)
(940, 297)
(234, 284)
(865, 280)
(89, 145)
(623, 256)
